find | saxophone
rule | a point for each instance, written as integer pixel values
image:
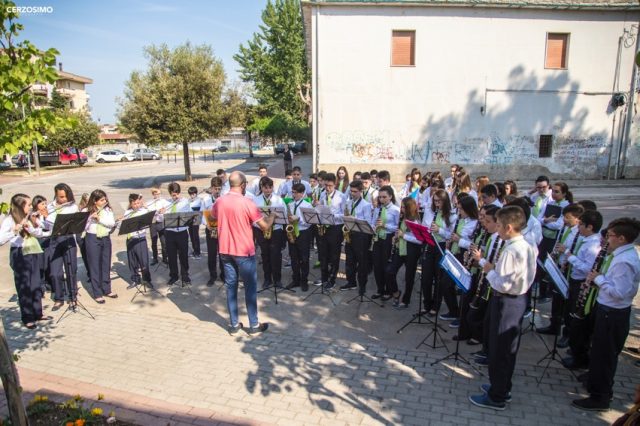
(375, 231)
(290, 229)
(586, 288)
(267, 234)
(345, 232)
(482, 290)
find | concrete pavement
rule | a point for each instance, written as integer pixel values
(166, 359)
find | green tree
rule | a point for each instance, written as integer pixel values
(22, 65)
(58, 102)
(83, 134)
(274, 62)
(178, 99)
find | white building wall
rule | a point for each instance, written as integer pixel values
(398, 117)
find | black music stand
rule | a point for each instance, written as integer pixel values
(463, 279)
(562, 286)
(71, 224)
(316, 217)
(281, 219)
(180, 219)
(361, 226)
(535, 294)
(133, 224)
(435, 332)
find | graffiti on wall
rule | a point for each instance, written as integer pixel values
(495, 149)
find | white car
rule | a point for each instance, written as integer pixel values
(114, 156)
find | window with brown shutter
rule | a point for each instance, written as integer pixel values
(403, 48)
(545, 148)
(557, 47)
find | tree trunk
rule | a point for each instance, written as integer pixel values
(250, 144)
(187, 163)
(11, 383)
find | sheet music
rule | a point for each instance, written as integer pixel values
(456, 271)
(557, 277)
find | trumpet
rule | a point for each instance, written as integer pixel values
(579, 311)
(482, 290)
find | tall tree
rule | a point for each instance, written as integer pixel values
(83, 134)
(178, 99)
(274, 62)
(21, 66)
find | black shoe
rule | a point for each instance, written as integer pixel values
(211, 282)
(571, 363)
(292, 285)
(304, 287)
(154, 262)
(348, 287)
(329, 285)
(553, 331)
(485, 388)
(591, 404)
(583, 377)
(318, 283)
(386, 297)
(479, 353)
(132, 285)
(149, 285)
(186, 283)
(278, 285)
(448, 317)
(234, 330)
(266, 285)
(457, 337)
(543, 300)
(172, 281)
(259, 329)
(563, 342)
(376, 296)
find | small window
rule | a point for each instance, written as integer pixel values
(557, 47)
(546, 146)
(403, 47)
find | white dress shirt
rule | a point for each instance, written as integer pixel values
(286, 189)
(393, 218)
(181, 206)
(295, 209)
(516, 269)
(582, 261)
(337, 205)
(7, 233)
(106, 218)
(619, 285)
(273, 201)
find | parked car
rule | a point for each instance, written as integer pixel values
(220, 148)
(114, 156)
(146, 154)
(295, 147)
(4, 165)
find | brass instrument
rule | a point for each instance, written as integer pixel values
(268, 233)
(290, 228)
(482, 290)
(586, 287)
(212, 223)
(346, 235)
(321, 230)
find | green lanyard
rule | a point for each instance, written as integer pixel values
(354, 205)
(382, 232)
(267, 202)
(566, 234)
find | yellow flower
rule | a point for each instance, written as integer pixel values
(77, 397)
(100, 397)
(80, 422)
(96, 411)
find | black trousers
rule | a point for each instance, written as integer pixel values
(580, 335)
(299, 253)
(504, 340)
(357, 262)
(64, 263)
(177, 248)
(611, 328)
(431, 273)
(561, 308)
(381, 254)
(194, 235)
(157, 233)
(26, 276)
(138, 259)
(271, 252)
(213, 259)
(83, 253)
(471, 319)
(99, 258)
(45, 261)
(329, 253)
(448, 292)
(414, 252)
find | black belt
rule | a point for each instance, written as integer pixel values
(609, 309)
(511, 296)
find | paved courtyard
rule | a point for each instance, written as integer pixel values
(166, 358)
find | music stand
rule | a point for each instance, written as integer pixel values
(422, 234)
(463, 280)
(68, 225)
(320, 217)
(280, 219)
(535, 293)
(134, 224)
(562, 286)
(180, 219)
(435, 332)
(363, 227)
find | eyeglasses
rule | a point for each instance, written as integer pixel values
(541, 187)
(611, 234)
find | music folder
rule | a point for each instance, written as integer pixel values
(357, 225)
(176, 220)
(70, 224)
(421, 232)
(136, 223)
(552, 210)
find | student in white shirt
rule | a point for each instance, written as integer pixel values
(157, 226)
(270, 245)
(137, 249)
(195, 203)
(177, 238)
(299, 249)
(254, 186)
(20, 230)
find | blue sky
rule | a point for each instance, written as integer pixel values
(103, 40)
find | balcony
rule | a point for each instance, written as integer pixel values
(67, 93)
(40, 89)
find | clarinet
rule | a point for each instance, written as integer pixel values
(455, 228)
(554, 253)
(585, 287)
(396, 243)
(375, 229)
(574, 243)
(467, 259)
(481, 288)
